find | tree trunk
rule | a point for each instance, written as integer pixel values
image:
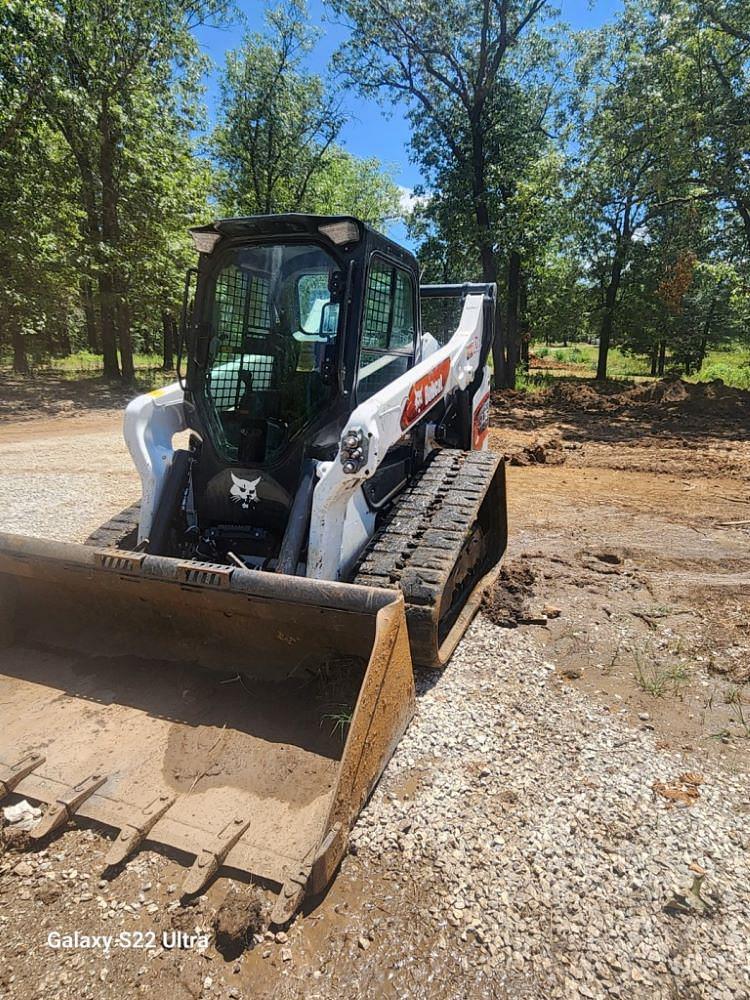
(701, 354)
(498, 348)
(89, 312)
(109, 336)
(744, 210)
(167, 323)
(512, 325)
(125, 340)
(108, 284)
(654, 359)
(608, 316)
(486, 250)
(662, 358)
(706, 331)
(20, 360)
(523, 323)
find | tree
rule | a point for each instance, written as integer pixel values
(111, 78)
(352, 186)
(277, 121)
(276, 141)
(450, 63)
(39, 246)
(664, 127)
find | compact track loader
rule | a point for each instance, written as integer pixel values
(226, 667)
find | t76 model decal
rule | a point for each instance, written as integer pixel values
(424, 392)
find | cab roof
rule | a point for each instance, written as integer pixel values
(343, 231)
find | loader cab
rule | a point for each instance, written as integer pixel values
(296, 320)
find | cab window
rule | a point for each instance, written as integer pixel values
(388, 329)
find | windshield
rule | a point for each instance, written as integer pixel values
(271, 322)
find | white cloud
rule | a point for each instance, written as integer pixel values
(408, 201)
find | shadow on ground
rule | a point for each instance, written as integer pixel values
(55, 394)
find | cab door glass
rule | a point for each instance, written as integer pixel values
(388, 330)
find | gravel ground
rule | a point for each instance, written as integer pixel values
(527, 810)
(554, 853)
(63, 486)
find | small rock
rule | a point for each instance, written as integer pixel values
(363, 942)
(286, 954)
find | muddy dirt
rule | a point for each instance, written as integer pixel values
(628, 580)
(507, 601)
(636, 539)
(242, 916)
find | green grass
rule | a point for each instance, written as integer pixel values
(88, 363)
(534, 381)
(341, 718)
(583, 357)
(658, 681)
(731, 364)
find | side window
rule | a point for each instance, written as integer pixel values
(387, 349)
(317, 314)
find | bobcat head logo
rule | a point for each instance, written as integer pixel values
(244, 491)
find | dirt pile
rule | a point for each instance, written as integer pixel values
(666, 397)
(507, 601)
(240, 917)
(547, 449)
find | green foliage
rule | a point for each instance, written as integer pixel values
(476, 82)
(275, 144)
(277, 120)
(601, 181)
(104, 91)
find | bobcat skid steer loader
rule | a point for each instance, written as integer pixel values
(226, 668)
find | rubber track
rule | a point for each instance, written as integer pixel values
(117, 533)
(422, 539)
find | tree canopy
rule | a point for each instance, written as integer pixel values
(601, 179)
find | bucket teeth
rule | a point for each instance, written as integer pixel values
(132, 835)
(289, 899)
(63, 808)
(15, 773)
(210, 859)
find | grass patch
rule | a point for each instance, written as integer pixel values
(583, 358)
(533, 381)
(84, 362)
(340, 717)
(659, 681)
(731, 365)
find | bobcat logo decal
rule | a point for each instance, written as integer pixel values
(244, 491)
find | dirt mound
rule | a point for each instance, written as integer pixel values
(547, 449)
(238, 919)
(506, 603)
(702, 397)
(552, 364)
(670, 395)
(13, 841)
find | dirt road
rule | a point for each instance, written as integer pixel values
(535, 831)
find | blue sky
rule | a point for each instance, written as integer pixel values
(369, 131)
